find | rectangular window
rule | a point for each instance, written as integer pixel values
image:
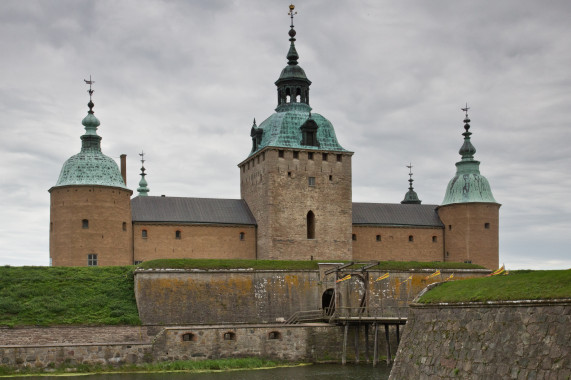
(353, 237)
(487, 226)
(434, 239)
(410, 238)
(310, 155)
(311, 181)
(339, 158)
(137, 262)
(85, 224)
(144, 234)
(177, 235)
(295, 154)
(92, 260)
(280, 153)
(124, 226)
(324, 156)
(378, 237)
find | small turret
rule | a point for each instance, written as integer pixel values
(410, 197)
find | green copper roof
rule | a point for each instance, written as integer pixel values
(293, 122)
(90, 166)
(468, 185)
(282, 129)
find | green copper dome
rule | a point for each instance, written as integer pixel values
(90, 166)
(293, 125)
(468, 185)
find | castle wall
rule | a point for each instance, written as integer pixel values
(171, 297)
(393, 243)
(109, 228)
(471, 233)
(194, 241)
(495, 340)
(280, 195)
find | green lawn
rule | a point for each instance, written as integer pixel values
(59, 296)
(289, 265)
(518, 285)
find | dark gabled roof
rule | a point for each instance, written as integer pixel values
(394, 214)
(191, 210)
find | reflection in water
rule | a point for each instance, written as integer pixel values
(318, 372)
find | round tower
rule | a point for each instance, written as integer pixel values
(90, 207)
(469, 212)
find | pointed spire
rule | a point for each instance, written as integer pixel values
(90, 141)
(410, 197)
(143, 189)
(292, 55)
(467, 150)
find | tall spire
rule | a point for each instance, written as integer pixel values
(90, 141)
(292, 55)
(142, 189)
(410, 197)
(467, 150)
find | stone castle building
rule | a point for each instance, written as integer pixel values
(296, 203)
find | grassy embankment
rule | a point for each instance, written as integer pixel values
(290, 265)
(174, 366)
(62, 296)
(104, 295)
(517, 285)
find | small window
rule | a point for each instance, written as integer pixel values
(137, 262)
(467, 261)
(354, 237)
(310, 155)
(242, 236)
(311, 181)
(144, 234)
(229, 336)
(177, 234)
(289, 174)
(295, 154)
(188, 337)
(410, 238)
(434, 239)
(124, 226)
(330, 177)
(85, 224)
(310, 218)
(274, 335)
(447, 254)
(92, 260)
(487, 226)
(378, 237)
(339, 157)
(324, 156)
(450, 227)
(280, 153)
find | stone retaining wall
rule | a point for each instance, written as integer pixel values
(494, 340)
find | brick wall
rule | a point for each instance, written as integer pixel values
(393, 243)
(196, 241)
(109, 233)
(471, 233)
(278, 192)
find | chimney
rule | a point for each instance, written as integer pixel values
(124, 168)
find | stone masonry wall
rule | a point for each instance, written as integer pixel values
(500, 340)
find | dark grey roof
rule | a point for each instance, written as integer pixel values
(191, 210)
(395, 214)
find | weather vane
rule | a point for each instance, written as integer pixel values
(142, 154)
(409, 166)
(89, 82)
(291, 13)
(465, 109)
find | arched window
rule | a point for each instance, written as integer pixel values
(188, 337)
(229, 336)
(274, 335)
(242, 236)
(410, 238)
(310, 225)
(85, 224)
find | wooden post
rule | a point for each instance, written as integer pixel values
(344, 357)
(398, 335)
(388, 344)
(367, 343)
(376, 345)
(357, 344)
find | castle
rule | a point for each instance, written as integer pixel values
(296, 203)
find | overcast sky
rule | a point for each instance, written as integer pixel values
(184, 79)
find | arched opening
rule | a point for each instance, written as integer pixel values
(188, 337)
(328, 301)
(229, 335)
(274, 335)
(310, 225)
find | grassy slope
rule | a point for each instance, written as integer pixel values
(59, 296)
(518, 285)
(288, 265)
